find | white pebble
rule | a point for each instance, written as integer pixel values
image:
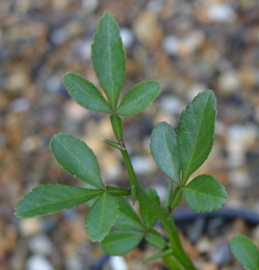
(118, 263)
(89, 5)
(38, 262)
(41, 244)
(127, 37)
(171, 104)
(171, 44)
(143, 165)
(221, 12)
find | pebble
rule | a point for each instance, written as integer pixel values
(229, 82)
(155, 5)
(58, 36)
(41, 244)
(17, 81)
(203, 245)
(221, 12)
(118, 263)
(239, 178)
(53, 84)
(143, 165)
(83, 49)
(74, 262)
(171, 44)
(20, 105)
(30, 226)
(171, 104)
(127, 37)
(38, 262)
(90, 5)
(222, 255)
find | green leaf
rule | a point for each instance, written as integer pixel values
(177, 197)
(101, 217)
(158, 255)
(76, 158)
(109, 58)
(204, 194)
(139, 98)
(156, 239)
(127, 218)
(51, 198)
(116, 191)
(85, 93)
(245, 251)
(117, 127)
(120, 242)
(148, 216)
(196, 132)
(165, 151)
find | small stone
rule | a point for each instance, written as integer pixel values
(146, 29)
(222, 254)
(209, 266)
(118, 263)
(38, 262)
(31, 143)
(53, 84)
(127, 37)
(41, 244)
(83, 49)
(60, 5)
(191, 42)
(20, 105)
(171, 104)
(74, 111)
(239, 178)
(74, 262)
(143, 165)
(221, 12)
(17, 81)
(171, 44)
(203, 244)
(30, 226)
(58, 36)
(229, 82)
(89, 5)
(155, 5)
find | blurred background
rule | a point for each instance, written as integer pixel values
(189, 46)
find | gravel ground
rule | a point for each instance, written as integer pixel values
(189, 46)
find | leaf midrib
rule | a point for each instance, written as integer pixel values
(203, 193)
(110, 64)
(247, 254)
(87, 94)
(172, 161)
(128, 104)
(63, 200)
(80, 162)
(198, 131)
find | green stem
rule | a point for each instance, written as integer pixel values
(168, 200)
(164, 216)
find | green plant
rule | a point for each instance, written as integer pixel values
(111, 220)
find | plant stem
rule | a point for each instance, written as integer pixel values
(164, 216)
